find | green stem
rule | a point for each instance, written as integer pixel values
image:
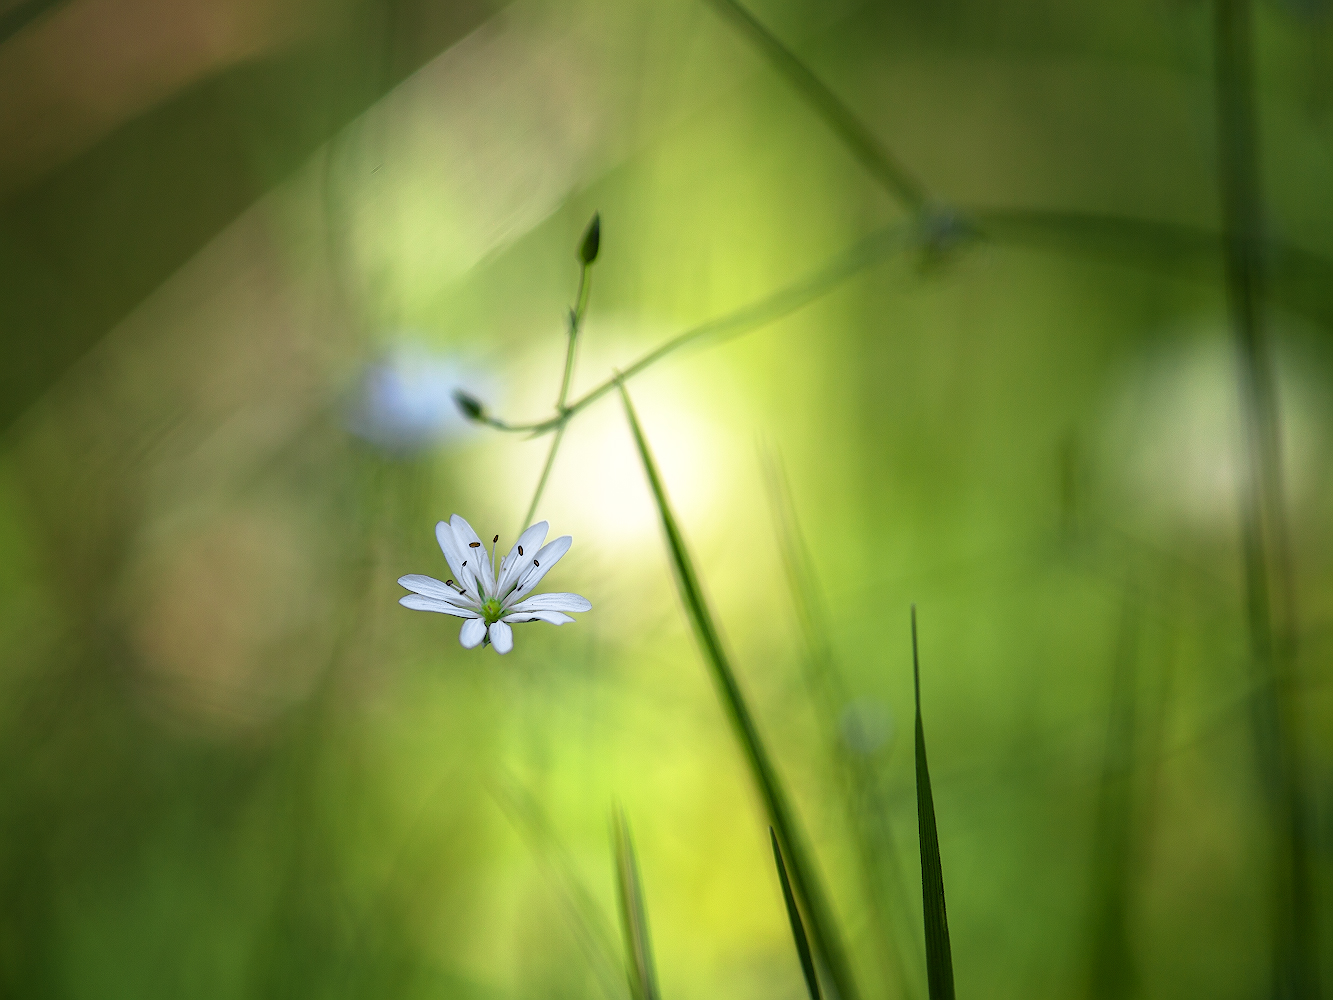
(541, 483)
(575, 323)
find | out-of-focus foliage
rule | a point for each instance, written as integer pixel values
(243, 263)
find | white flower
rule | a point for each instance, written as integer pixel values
(491, 601)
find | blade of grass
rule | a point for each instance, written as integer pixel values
(1270, 587)
(633, 915)
(881, 164)
(867, 812)
(797, 927)
(586, 918)
(939, 959)
(823, 928)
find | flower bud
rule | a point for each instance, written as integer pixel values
(592, 240)
(471, 407)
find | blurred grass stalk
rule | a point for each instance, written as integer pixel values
(1110, 961)
(633, 914)
(939, 955)
(1270, 587)
(867, 812)
(586, 919)
(809, 889)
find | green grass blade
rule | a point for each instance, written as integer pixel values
(881, 164)
(810, 891)
(587, 920)
(797, 927)
(939, 959)
(863, 793)
(633, 915)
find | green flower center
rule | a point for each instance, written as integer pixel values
(493, 610)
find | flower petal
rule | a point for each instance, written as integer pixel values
(553, 602)
(502, 637)
(554, 617)
(540, 564)
(477, 556)
(474, 630)
(453, 552)
(528, 542)
(428, 586)
(418, 603)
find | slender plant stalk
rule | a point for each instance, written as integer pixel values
(541, 482)
(867, 813)
(809, 889)
(640, 969)
(939, 957)
(797, 926)
(588, 249)
(877, 247)
(575, 323)
(881, 164)
(1183, 250)
(1271, 603)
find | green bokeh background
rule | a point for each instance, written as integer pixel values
(232, 766)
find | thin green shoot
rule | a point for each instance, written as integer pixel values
(809, 888)
(939, 957)
(794, 917)
(633, 914)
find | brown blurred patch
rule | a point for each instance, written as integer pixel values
(86, 67)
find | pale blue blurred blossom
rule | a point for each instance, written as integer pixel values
(403, 401)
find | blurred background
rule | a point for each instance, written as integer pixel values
(248, 251)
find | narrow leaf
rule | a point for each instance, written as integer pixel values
(633, 916)
(805, 878)
(845, 125)
(797, 927)
(939, 960)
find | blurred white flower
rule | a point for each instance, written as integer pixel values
(492, 599)
(404, 401)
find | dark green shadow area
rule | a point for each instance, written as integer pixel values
(84, 245)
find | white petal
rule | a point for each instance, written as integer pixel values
(540, 564)
(431, 587)
(554, 617)
(553, 602)
(502, 637)
(418, 603)
(473, 632)
(528, 542)
(477, 556)
(453, 552)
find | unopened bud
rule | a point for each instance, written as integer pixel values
(592, 240)
(471, 407)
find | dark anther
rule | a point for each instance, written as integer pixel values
(495, 539)
(520, 550)
(474, 545)
(464, 562)
(535, 563)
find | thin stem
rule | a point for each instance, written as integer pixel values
(881, 164)
(871, 250)
(546, 474)
(1270, 599)
(575, 323)
(1182, 249)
